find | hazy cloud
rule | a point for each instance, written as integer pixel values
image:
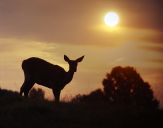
(155, 48)
(71, 21)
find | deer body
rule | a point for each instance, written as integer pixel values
(39, 71)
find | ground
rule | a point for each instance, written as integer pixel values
(17, 111)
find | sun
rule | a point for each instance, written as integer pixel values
(111, 19)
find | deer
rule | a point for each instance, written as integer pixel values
(41, 72)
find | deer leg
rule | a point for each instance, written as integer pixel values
(23, 87)
(27, 85)
(56, 95)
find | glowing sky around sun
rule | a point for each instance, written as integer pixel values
(50, 29)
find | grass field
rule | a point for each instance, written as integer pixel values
(17, 111)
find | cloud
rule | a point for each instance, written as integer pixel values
(156, 48)
(63, 21)
(157, 60)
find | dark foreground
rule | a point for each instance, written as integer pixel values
(18, 112)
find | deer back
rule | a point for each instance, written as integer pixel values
(42, 71)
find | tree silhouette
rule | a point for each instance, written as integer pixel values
(125, 86)
(37, 94)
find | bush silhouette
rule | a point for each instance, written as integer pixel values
(37, 94)
(17, 111)
(125, 85)
(93, 97)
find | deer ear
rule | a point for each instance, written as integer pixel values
(66, 58)
(80, 59)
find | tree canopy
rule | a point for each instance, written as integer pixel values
(123, 85)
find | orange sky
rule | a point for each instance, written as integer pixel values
(51, 28)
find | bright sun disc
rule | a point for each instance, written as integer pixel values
(111, 19)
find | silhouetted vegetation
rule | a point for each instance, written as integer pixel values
(123, 86)
(20, 112)
(96, 96)
(37, 94)
(111, 107)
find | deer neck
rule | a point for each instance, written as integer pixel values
(69, 75)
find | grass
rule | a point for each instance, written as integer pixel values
(19, 112)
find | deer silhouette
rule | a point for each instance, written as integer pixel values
(39, 71)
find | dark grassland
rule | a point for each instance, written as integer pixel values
(19, 112)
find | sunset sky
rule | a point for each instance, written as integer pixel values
(51, 28)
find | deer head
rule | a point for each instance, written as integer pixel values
(73, 63)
